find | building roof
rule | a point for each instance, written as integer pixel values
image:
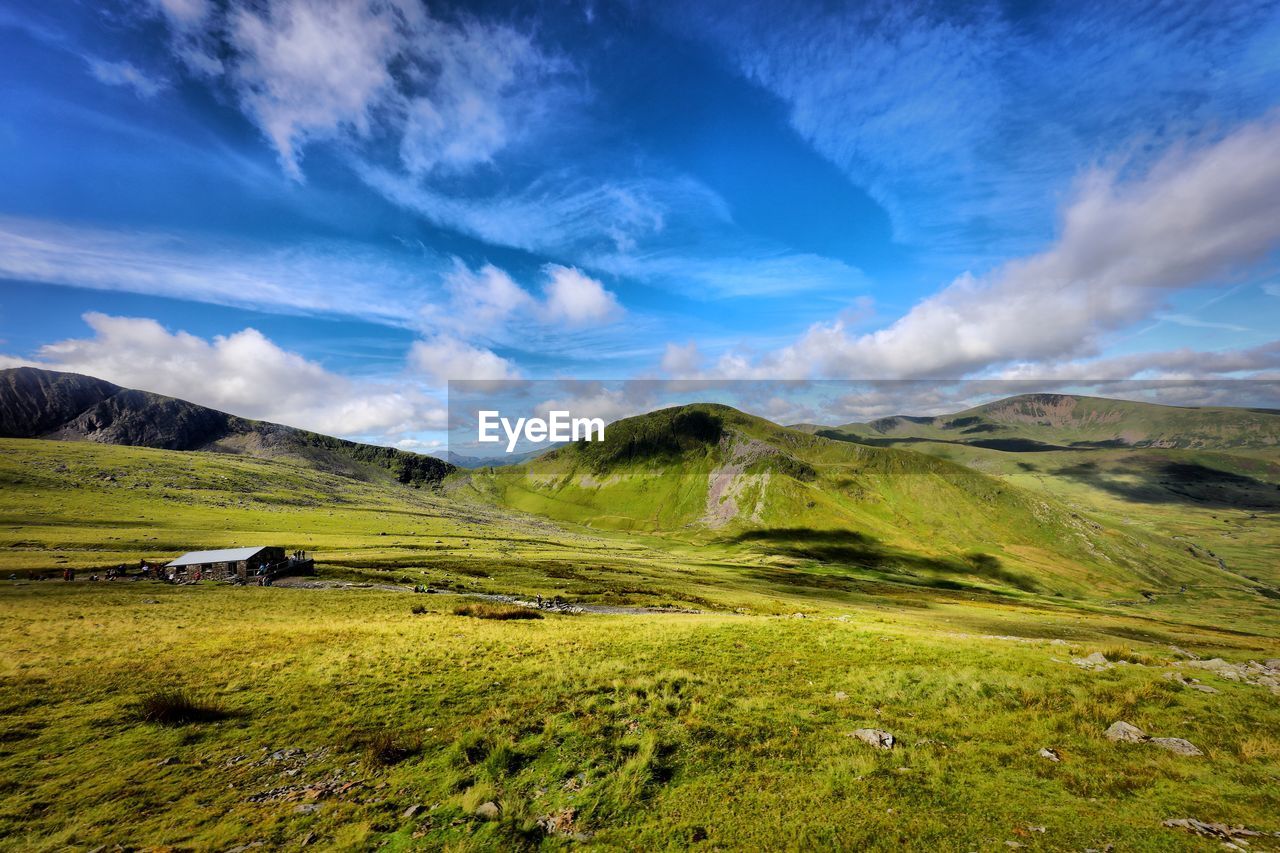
(226, 555)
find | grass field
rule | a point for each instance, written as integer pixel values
(341, 718)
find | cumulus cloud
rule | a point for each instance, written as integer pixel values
(444, 358)
(1195, 218)
(682, 360)
(244, 373)
(576, 298)
(488, 301)
(127, 75)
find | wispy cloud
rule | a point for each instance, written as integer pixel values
(450, 94)
(1197, 323)
(328, 278)
(745, 270)
(962, 121)
(559, 212)
(127, 75)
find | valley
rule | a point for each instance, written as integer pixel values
(758, 597)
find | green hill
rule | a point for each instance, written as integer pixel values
(710, 474)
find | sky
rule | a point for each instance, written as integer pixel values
(319, 212)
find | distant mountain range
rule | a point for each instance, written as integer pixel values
(70, 407)
(1040, 422)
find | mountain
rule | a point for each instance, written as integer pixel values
(1043, 422)
(462, 461)
(712, 475)
(70, 407)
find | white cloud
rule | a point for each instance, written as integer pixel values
(577, 299)
(184, 14)
(244, 373)
(681, 361)
(451, 94)
(1271, 289)
(313, 278)
(750, 271)
(444, 358)
(480, 100)
(125, 74)
(1195, 218)
(1183, 363)
(311, 69)
(554, 213)
(482, 299)
(488, 301)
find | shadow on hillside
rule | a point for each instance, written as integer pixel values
(853, 549)
(1171, 482)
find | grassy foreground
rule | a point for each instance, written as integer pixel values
(633, 732)
(208, 717)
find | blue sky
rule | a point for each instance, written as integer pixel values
(319, 212)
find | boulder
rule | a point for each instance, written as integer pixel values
(1050, 755)
(487, 811)
(1177, 745)
(1123, 732)
(875, 737)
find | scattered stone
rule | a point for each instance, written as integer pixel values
(1177, 745)
(487, 811)
(306, 808)
(559, 823)
(1213, 830)
(1123, 732)
(1184, 653)
(1050, 755)
(410, 812)
(1192, 683)
(1265, 674)
(167, 762)
(875, 737)
(1094, 662)
(840, 696)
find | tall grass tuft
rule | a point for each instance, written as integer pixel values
(386, 748)
(176, 707)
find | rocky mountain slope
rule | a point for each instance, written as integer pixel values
(70, 407)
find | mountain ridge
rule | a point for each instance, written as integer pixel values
(1045, 421)
(37, 403)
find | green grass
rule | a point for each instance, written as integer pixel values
(652, 731)
(729, 727)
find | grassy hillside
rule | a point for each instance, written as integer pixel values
(711, 474)
(364, 716)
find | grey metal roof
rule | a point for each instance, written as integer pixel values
(226, 555)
